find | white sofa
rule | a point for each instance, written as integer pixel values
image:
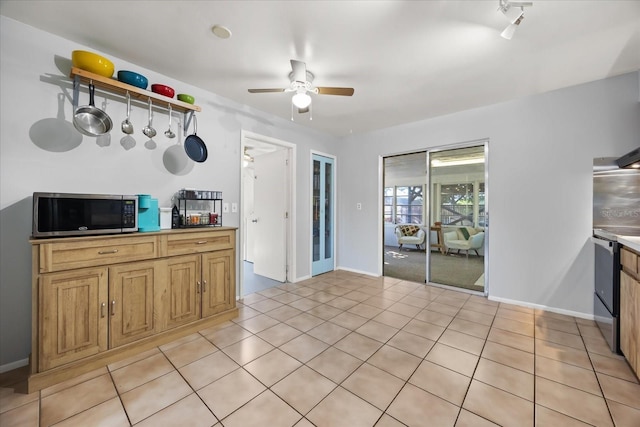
(411, 239)
(455, 238)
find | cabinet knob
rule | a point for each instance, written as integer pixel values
(113, 307)
(204, 286)
(198, 284)
(103, 309)
(201, 242)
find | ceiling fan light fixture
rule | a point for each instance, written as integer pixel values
(301, 100)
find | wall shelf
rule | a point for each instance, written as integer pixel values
(116, 86)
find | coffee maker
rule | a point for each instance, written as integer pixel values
(148, 213)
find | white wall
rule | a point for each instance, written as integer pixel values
(34, 69)
(541, 151)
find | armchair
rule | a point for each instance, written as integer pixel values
(410, 234)
(455, 239)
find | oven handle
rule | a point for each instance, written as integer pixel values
(606, 244)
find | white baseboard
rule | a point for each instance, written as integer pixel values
(544, 307)
(351, 270)
(13, 365)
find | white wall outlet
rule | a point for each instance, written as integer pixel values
(234, 207)
(225, 208)
(359, 206)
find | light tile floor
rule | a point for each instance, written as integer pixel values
(348, 350)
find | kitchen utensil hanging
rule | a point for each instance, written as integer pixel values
(169, 133)
(195, 146)
(127, 126)
(148, 130)
(90, 120)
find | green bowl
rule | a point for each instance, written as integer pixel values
(186, 98)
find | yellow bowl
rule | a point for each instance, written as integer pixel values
(92, 62)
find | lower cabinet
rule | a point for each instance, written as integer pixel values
(630, 309)
(199, 286)
(88, 311)
(72, 317)
(86, 316)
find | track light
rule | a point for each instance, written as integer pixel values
(514, 12)
(301, 100)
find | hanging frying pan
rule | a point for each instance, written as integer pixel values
(91, 121)
(194, 145)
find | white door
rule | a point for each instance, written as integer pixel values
(270, 215)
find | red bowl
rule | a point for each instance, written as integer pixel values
(163, 90)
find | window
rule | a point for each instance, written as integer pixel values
(457, 206)
(403, 205)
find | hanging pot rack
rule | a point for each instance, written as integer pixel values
(85, 77)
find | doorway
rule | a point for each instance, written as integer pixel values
(323, 213)
(267, 240)
(435, 216)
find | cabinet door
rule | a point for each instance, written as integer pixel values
(218, 282)
(629, 318)
(72, 318)
(183, 290)
(131, 302)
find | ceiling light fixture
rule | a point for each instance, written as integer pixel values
(514, 12)
(301, 99)
(221, 31)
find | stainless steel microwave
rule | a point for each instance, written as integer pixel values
(66, 214)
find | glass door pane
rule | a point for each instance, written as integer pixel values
(323, 215)
(457, 200)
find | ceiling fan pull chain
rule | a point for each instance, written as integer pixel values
(311, 111)
(291, 111)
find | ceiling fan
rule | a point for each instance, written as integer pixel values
(301, 83)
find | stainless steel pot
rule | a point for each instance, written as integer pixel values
(90, 120)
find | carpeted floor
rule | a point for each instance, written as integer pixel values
(456, 270)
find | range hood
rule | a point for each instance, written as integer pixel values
(630, 160)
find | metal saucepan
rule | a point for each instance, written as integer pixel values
(194, 145)
(90, 120)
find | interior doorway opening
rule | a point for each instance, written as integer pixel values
(266, 238)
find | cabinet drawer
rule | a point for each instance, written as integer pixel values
(190, 243)
(69, 255)
(630, 261)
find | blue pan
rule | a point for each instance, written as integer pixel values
(194, 145)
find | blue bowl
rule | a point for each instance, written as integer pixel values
(133, 79)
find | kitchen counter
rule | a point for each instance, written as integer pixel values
(632, 242)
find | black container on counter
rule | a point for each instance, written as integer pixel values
(175, 217)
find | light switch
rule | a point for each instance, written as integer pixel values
(225, 208)
(234, 207)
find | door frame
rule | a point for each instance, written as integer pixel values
(427, 201)
(246, 138)
(334, 199)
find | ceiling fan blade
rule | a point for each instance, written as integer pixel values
(303, 110)
(299, 71)
(265, 90)
(344, 91)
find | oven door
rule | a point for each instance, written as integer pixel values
(607, 273)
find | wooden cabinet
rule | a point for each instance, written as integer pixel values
(131, 302)
(630, 308)
(183, 290)
(72, 322)
(218, 282)
(100, 299)
(199, 286)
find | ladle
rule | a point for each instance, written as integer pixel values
(169, 133)
(148, 130)
(127, 126)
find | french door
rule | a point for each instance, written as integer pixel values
(322, 208)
